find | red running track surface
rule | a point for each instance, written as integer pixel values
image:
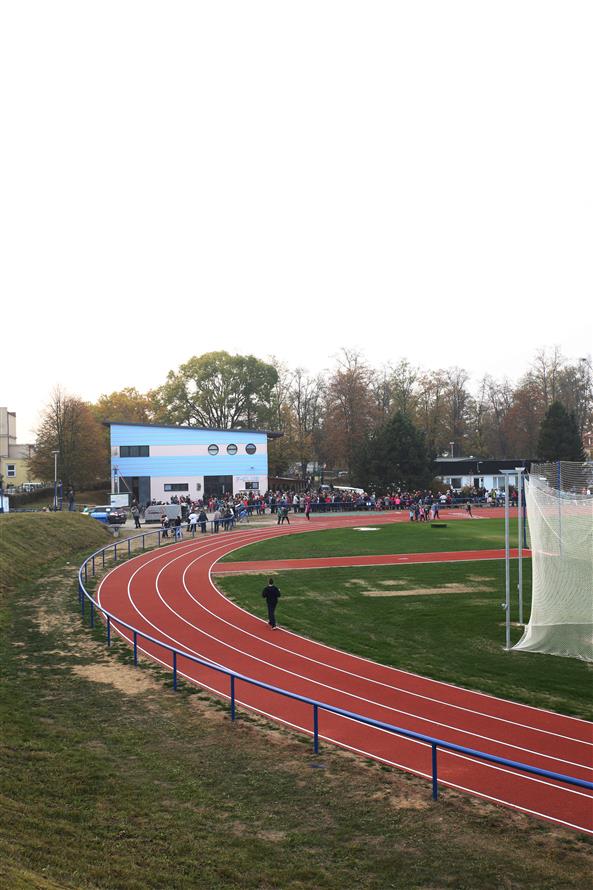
(169, 594)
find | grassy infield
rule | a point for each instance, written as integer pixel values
(109, 779)
(456, 634)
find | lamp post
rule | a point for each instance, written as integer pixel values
(1, 493)
(55, 454)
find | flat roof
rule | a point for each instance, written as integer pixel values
(271, 434)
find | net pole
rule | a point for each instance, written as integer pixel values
(519, 471)
(507, 561)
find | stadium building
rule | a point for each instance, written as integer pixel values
(153, 462)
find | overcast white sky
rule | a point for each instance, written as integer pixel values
(412, 179)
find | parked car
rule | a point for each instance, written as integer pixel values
(107, 514)
(154, 512)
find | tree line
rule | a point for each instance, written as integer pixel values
(373, 424)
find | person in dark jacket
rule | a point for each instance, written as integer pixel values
(271, 594)
(203, 519)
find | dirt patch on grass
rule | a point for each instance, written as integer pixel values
(127, 680)
(422, 591)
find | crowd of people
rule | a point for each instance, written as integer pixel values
(226, 510)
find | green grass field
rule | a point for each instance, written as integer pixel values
(396, 537)
(441, 620)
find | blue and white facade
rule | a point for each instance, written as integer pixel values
(156, 462)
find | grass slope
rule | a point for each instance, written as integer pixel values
(110, 780)
(396, 537)
(29, 542)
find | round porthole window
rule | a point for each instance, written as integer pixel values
(212, 449)
(250, 449)
(231, 449)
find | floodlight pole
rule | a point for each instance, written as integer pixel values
(519, 471)
(507, 559)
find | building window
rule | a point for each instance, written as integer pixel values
(252, 486)
(11, 471)
(250, 449)
(134, 451)
(176, 486)
(212, 449)
(231, 449)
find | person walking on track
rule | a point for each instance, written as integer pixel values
(272, 595)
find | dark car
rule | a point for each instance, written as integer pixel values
(109, 515)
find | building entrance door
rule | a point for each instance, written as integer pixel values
(138, 487)
(217, 486)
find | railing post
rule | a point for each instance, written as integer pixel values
(232, 696)
(103, 555)
(92, 614)
(435, 787)
(86, 577)
(129, 546)
(93, 565)
(143, 543)
(82, 599)
(159, 537)
(135, 648)
(108, 631)
(316, 729)
(115, 552)
(174, 670)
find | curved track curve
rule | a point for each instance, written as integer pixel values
(169, 594)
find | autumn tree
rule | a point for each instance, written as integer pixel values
(126, 406)
(349, 411)
(69, 426)
(218, 390)
(305, 398)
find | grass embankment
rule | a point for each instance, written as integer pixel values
(111, 780)
(395, 537)
(30, 542)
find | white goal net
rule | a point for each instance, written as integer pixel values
(561, 533)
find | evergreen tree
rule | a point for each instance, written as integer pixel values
(559, 437)
(395, 456)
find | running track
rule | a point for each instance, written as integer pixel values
(169, 594)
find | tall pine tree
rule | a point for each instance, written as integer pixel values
(559, 437)
(395, 457)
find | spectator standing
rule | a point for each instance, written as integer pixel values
(271, 594)
(135, 510)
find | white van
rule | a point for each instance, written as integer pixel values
(155, 511)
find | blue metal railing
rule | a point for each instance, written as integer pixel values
(317, 706)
